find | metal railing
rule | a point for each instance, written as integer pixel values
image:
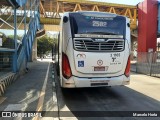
(146, 63)
(17, 48)
(28, 38)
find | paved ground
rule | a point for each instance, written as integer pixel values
(36, 91)
(141, 95)
(32, 92)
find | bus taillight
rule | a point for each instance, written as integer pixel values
(66, 70)
(127, 70)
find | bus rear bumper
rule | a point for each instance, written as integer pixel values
(77, 82)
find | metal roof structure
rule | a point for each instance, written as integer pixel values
(50, 9)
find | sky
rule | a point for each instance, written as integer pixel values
(127, 2)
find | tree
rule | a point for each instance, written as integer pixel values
(44, 45)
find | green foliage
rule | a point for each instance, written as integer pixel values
(3, 36)
(44, 45)
(12, 37)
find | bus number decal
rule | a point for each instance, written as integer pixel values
(99, 24)
(114, 57)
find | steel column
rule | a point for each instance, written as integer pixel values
(147, 26)
(159, 18)
(25, 40)
(15, 42)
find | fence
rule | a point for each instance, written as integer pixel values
(6, 53)
(146, 63)
(6, 61)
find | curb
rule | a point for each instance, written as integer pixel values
(54, 91)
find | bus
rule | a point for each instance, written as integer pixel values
(93, 50)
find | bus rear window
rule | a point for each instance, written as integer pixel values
(82, 24)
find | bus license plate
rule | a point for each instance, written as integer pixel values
(99, 68)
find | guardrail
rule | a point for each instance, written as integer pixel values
(5, 81)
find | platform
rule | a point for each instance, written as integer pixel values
(33, 91)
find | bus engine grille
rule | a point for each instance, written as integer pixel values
(92, 45)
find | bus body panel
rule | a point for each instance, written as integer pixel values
(76, 82)
(84, 71)
(91, 62)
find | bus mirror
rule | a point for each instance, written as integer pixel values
(128, 24)
(65, 19)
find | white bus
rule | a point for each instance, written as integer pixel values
(94, 50)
